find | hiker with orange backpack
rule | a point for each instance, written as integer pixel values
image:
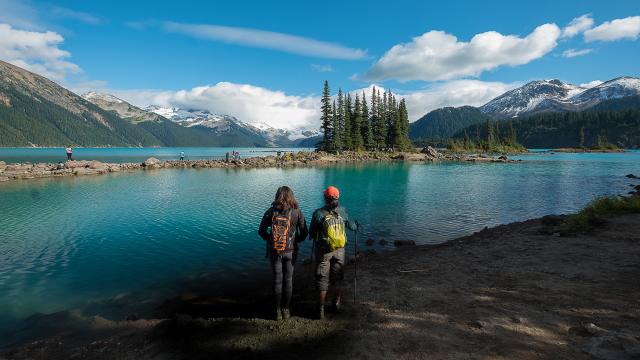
(283, 226)
(329, 240)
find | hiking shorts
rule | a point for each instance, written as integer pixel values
(330, 269)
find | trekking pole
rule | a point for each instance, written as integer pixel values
(355, 266)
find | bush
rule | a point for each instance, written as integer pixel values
(595, 212)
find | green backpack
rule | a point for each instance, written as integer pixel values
(333, 225)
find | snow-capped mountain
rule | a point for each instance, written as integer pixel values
(122, 108)
(223, 123)
(612, 89)
(555, 95)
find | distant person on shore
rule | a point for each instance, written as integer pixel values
(283, 226)
(227, 157)
(329, 239)
(69, 151)
(181, 155)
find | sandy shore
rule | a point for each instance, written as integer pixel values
(24, 171)
(517, 291)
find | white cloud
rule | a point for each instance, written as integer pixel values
(268, 40)
(36, 51)
(436, 55)
(249, 103)
(322, 68)
(627, 28)
(453, 93)
(76, 15)
(577, 26)
(19, 14)
(591, 84)
(570, 53)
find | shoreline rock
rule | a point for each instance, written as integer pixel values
(20, 171)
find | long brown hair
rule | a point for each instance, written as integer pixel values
(285, 199)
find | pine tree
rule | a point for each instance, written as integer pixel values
(339, 123)
(335, 139)
(378, 121)
(366, 125)
(325, 118)
(347, 123)
(490, 138)
(356, 135)
(513, 138)
(402, 127)
(581, 137)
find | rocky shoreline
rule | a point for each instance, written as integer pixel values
(91, 167)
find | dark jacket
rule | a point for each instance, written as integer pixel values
(297, 232)
(316, 230)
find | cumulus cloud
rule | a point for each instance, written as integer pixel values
(249, 103)
(268, 40)
(453, 93)
(36, 51)
(627, 28)
(436, 55)
(570, 53)
(577, 26)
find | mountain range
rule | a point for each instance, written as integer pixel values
(536, 97)
(38, 112)
(35, 111)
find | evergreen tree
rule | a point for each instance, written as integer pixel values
(326, 119)
(357, 142)
(378, 121)
(490, 138)
(402, 127)
(347, 123)
(339, 128)
(581, 137)
(366, 125)
(335, 139)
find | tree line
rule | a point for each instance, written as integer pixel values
(351, 124)
(492, 136)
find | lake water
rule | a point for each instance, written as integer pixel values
(71, 243)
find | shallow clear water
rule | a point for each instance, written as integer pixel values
(71, 242)
(121, 155)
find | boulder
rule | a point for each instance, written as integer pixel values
(399, 243)
(631, 176)
(97, 165)
(151, 163)
(3, 166)
(85, 171)
(431, 152)
(3, 178)
(503, 157)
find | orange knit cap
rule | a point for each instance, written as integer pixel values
(332, 192)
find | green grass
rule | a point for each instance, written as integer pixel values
(596, 211)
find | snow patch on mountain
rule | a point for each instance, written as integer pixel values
(555, 95)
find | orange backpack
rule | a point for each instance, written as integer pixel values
(280, 225)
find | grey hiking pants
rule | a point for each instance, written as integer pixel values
(282, 266)
(329, 269)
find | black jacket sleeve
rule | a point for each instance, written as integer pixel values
(265, 224)
(301, 227)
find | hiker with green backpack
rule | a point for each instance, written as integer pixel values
(283, 226)
(329, 240)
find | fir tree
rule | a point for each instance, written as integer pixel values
(347, 123)
(581, 137)
(357, 143)
(335, 139)
(366, 125)
(325, 119)
(339, 128)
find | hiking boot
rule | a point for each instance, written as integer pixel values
(321, 313)
(286, 314)
(337, 306)
(278, 315)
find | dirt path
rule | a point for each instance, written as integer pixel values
(517, 291)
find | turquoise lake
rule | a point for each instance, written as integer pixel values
(75, 242)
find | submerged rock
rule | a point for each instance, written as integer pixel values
(399, 243)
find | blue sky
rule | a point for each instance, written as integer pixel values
(158, 52)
